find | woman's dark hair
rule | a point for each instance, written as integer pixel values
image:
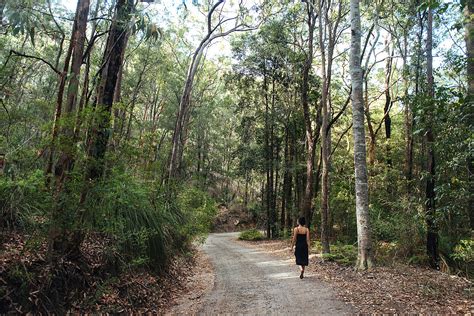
(302, 221)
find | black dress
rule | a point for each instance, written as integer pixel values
(301, 250)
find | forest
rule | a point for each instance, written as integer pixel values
(126, 124)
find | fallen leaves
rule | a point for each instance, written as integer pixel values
(91, 285)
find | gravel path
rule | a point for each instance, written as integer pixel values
(249, 281)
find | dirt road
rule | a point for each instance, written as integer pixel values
(248, 281)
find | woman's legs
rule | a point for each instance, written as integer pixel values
(302, 271)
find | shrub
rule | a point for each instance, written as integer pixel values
(463, 255)
(149, 224)
(198, 210)
(251, 234)
(142, 220)
(342, 254)
(22, 200)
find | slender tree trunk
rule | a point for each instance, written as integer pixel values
(365, 255)
(408, 118)
(306, 209)
(469, 36)
(285, 180)
(84, 101)
(67, 146)
(99, 135)
(291, 170)
(388, 104)
(275, 191)
(268, 195)
(370, 127)
(177, 140)
(432, 229)
(58, 240)
(325, 136)
(59, 107)
(119, 113)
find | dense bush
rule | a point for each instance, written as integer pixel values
(149, 224)
(198, 209)
(463, 255)
(340, 253)
(251, 234)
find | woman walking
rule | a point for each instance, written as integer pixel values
(301, 239)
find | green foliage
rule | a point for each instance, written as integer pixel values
(252, 235)
(23, 202)
(463, 256)
(345, 254)
(464, 251)
(198, 210)
(122, 208)
(149, 226)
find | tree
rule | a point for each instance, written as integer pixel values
(469, 38)
(365, 253)
(312, 135)
(332, 15)
(99, 134)
(58, 239)
(430, 207)
(214, 31)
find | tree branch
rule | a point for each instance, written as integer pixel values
(340, 138)
(209, 16)
(37, 58)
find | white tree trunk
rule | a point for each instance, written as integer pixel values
(365, 256)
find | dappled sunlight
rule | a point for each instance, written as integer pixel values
(287, 249)
(256, 252)
(284, 275)
(273, 263)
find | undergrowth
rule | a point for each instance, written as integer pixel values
(251, 234)
(129, 224)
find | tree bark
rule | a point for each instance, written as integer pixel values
(388, 104)
(365, 255)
